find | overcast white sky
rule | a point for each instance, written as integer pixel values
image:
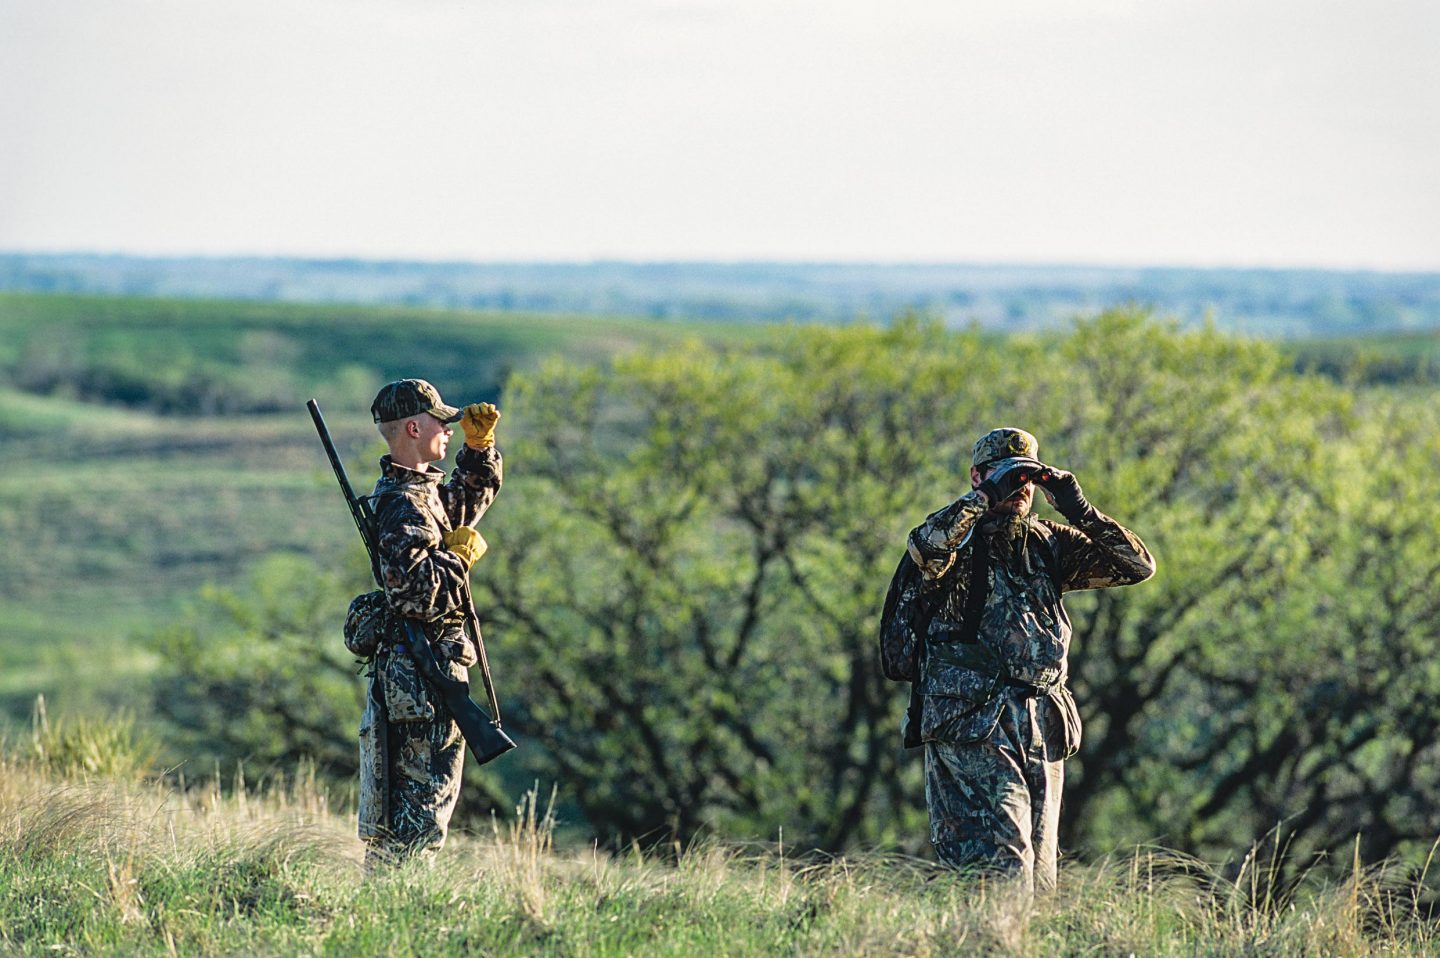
(1207, 132)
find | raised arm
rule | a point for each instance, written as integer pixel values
(479, 468)
(1095, 551)
(934, 542)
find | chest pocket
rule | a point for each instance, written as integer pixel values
(960, 702)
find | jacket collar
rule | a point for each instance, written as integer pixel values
(405, 476)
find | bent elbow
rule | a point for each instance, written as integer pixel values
(1144, 568)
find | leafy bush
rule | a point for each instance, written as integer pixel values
(258, 673)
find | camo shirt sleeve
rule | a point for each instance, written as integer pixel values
(473, 485)
(935, 541)
(1100, 554)
(423, 579)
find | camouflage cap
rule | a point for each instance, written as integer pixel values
(410, 397)
(1004, 443)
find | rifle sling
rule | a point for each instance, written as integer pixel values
(978, 589)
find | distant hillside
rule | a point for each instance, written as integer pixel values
(1264, 302)
(202, 357)
(151, 446)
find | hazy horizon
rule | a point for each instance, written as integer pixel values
(798, 262)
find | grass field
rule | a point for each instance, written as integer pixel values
(119, 865)
(115, 517)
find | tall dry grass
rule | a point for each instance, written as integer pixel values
(133, 865)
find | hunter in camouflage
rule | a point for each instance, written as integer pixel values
(974, 619)
(411, 751)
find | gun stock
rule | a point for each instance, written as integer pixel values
(486, 739)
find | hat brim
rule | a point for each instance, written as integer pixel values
(445, 413)
(1018, 460)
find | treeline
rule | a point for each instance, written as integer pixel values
(198, 358)
(1281, 302)
(688, 562)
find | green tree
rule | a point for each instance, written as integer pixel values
(1325, 727)
(689, 559)
(689, 594)
(1217, 455)
(258, 672)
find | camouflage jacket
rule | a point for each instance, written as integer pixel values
(1024, 632)
(413, 509)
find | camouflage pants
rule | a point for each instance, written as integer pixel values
(995, 803)
(409, 782)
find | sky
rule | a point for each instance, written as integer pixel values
(1128, 132)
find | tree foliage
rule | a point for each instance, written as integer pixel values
(689, 558)
(688, 590)
(257, 672)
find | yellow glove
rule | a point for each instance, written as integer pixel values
(479, 424)
(466, 543)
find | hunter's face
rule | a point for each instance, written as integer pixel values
(434, 437)
(1018, 504)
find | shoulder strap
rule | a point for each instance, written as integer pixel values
(977, 589)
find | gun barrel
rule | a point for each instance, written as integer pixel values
(358, 511)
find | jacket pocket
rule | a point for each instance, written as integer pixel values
(1062, 732)
(960, 704)
(369, 623)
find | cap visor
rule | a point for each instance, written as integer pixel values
(445, 413)
(1018, 460)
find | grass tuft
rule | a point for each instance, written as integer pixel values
(83, 748)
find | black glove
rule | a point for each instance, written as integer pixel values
(1063, 491)
(1008, 476)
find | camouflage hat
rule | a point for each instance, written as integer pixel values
(1004, 443)
(410, 397)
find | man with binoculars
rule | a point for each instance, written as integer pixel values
(974, 620)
